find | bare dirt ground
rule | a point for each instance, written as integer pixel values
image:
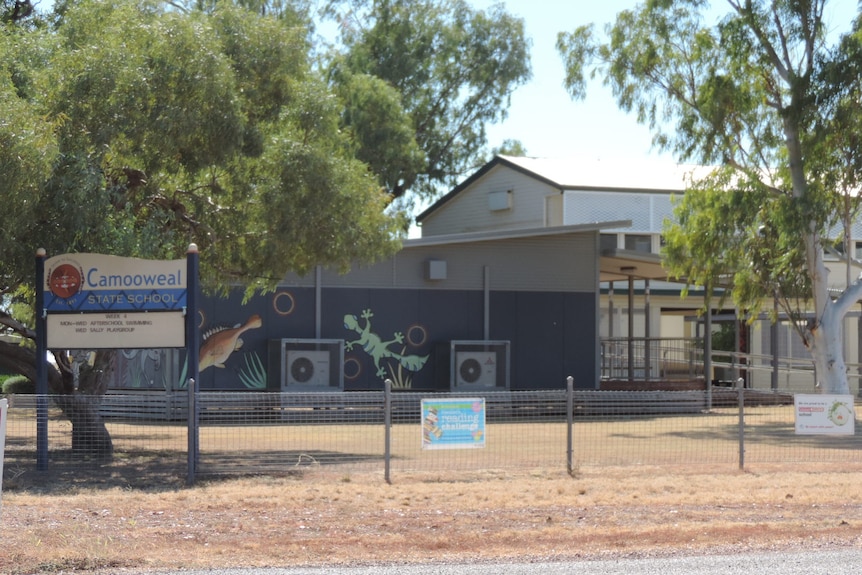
(318, 518)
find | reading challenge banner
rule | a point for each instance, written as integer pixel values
(824, 414)
(454, 423)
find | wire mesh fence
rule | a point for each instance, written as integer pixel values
(253, 433)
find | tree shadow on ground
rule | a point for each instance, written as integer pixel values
(162, 470)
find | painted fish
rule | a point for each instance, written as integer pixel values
(219, 343)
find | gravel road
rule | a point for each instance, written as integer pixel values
(798, 563)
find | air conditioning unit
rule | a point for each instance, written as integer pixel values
(478, 365)
(305, 365)
(476, 369)
(307, 368)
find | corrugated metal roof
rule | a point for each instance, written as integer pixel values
(583, 173)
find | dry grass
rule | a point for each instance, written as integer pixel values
(676, 493)
(316, 518)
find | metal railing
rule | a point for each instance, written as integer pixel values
(651, 358)
(681, 359)
(258, 432)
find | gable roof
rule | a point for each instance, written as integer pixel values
(580, 174)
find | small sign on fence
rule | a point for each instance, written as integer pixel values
(824, 414)
(4, 407)
(454, 423)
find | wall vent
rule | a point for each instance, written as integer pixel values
(499, 201)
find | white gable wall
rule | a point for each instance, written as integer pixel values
(469, 211)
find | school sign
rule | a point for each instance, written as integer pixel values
(97, 301)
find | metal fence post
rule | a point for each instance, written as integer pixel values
(192, 433)
(387, 422)
(570, 404)
(740, 390)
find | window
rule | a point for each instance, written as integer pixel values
(607, 242)
(639, 243)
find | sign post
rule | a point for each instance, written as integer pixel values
(4, 410)
(192, 360)
(41, 366)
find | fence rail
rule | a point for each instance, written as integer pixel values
(255, 432)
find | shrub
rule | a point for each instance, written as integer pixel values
(18, 384)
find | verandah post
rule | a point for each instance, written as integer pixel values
(740, 389)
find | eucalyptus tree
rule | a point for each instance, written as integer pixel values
(761, 90)
(450, 69)
(135, 128)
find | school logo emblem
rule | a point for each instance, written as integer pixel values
(65, 280)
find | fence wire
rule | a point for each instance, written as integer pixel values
(254, 433)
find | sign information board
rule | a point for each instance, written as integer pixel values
(107, 330)
(824, 414)
(97, 301)
(454, 423)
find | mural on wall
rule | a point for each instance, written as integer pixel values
(220, 342)
(380, 350)
(145, 368)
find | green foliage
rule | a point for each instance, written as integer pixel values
(167, 127)
(762, 95)
(454, 68)
(724, 338)
(18, 384)
(759, 94)
(136, 128)
(510, 148)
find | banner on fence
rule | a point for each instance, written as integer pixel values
(4, 406)
(824, 414)
(454, 423)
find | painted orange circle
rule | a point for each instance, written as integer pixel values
(283, 307)
(352, 368)
(65, 281)
(416, 335)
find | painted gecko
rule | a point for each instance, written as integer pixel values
(377, 348)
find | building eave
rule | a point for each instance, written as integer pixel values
(519, 233)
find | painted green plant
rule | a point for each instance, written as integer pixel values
(184, 376)
(253, 375)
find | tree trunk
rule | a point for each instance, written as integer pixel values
(90, 437)
(828, 353)
(826, 340)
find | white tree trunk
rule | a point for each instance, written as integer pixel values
(828, 353)
(826, 340)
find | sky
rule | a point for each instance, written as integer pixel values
(545, 118)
